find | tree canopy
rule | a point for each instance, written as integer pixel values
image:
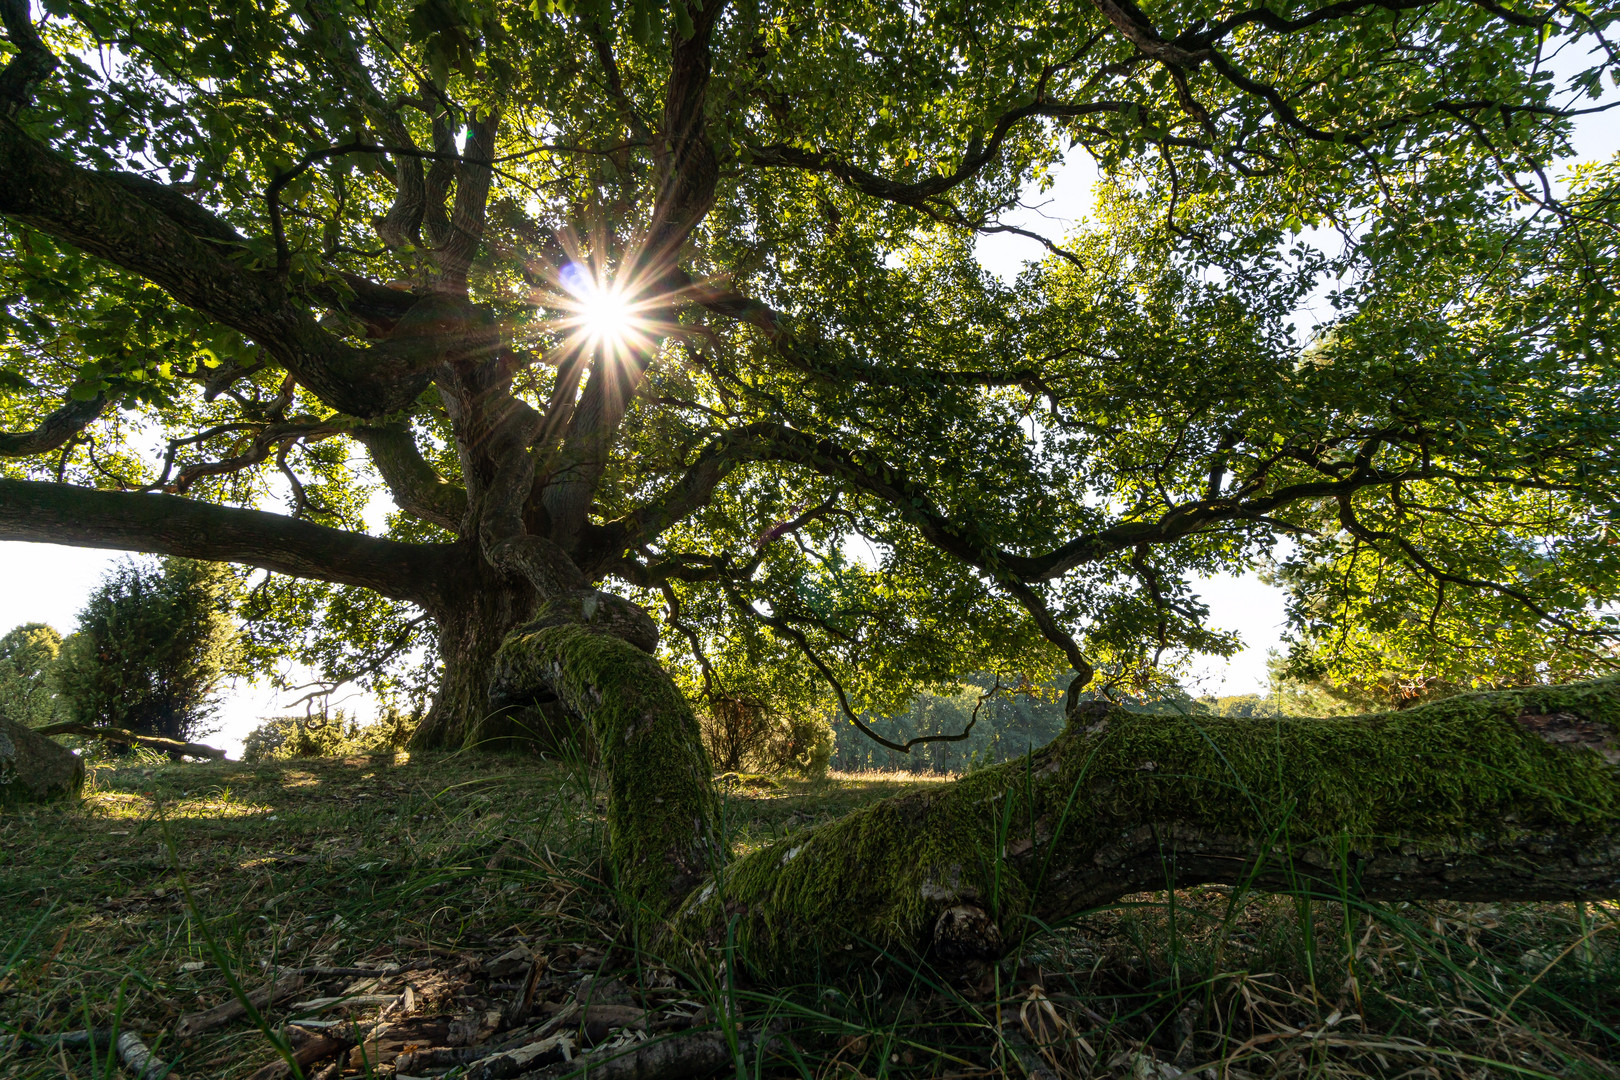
(681, 301)
(28, 655)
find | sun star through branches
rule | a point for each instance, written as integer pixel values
(601, 312)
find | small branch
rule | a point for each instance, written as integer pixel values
(135, 1054)
(795, 635)
(223, 1013)
(32, 64)
(151, 742)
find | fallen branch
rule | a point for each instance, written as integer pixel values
(151, 742)
(693, 1054)
(360, 1000)
(317, 1049)
(226, 1011)
(135, 1054)
(327, 972)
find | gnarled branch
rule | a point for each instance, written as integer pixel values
(106, 217)
(416, 488)
(53, 431)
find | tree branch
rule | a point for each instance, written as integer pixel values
(822, 360)
(106, 217)
(416, 488)
(32, 64)
(53, 431)
(977, 156)
(423, 574)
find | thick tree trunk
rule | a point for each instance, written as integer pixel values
(1511, 795)
(470, 636)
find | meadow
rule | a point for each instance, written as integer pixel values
(434, 908)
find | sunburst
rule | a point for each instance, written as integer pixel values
(600, 311)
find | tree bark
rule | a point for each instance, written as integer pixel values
(470, 635)
(662, 811)
(1503, 796)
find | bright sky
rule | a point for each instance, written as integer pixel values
(49, 584)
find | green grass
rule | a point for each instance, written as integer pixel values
(438, 861)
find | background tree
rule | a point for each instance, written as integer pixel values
(643, 305)
(152, 645)
(28, 656)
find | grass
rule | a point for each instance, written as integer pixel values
(445, 862)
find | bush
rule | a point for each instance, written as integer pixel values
(337, 735)
(801, 743)
(153, 644)
(744, 734)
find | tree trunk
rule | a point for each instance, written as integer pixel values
(470, 636)
(1512, 795)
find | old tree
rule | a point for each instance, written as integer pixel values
(641, 309)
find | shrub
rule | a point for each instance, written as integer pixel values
(744, 734)
(28, 656)
(801, 743)
(336, 735)
(153, 644)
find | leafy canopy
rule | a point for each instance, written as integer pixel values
(841, 448)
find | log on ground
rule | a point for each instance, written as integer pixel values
(1502, 796)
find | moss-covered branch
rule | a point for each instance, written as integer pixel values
(1510, 795)
(661, 804)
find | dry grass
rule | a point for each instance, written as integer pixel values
(130, 909)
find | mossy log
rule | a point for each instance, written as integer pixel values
(1498, 796)
(1511, 795)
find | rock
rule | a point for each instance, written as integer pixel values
(35, 769)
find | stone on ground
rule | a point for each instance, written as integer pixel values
(33, 768)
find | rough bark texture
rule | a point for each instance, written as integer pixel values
(469, 637)
(1512, 795)
(35, 769)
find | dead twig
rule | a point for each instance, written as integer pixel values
(226, 1011)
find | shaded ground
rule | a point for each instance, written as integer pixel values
(470, 874)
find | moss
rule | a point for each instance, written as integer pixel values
(661, 804)
(1458, 773)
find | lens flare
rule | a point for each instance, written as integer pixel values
(602, 312)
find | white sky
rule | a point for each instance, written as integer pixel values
(47, 583)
